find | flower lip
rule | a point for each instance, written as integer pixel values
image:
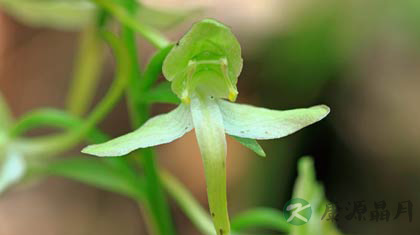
(209, 77)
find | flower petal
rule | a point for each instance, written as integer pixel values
(209, 130)
(158, 130)
(260, 123)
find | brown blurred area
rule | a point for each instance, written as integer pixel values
(362, 59)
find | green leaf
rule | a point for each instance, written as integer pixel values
(95, 172)
(158, 130)
(207, 58)
(208, 124)
(162, 93)
(76, 14)
(309, 189)
(162, 18)
(52, 118)
(154, 68)
(260, 123)
(12, 168)
(59, 14)
(265, 218)
(251, 144)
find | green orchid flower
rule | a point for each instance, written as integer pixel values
(204, 67)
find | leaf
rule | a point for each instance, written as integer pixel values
(162, 18)
(307, 188)
(158, 130)
(260, 123)
(76, 14)
(95, 172)
(208, 57)
(154, 68)
(162, 93)
(266, 218)
(52, 118)
(12, 169)
(59, 14)
(251, 144)
(208, 124)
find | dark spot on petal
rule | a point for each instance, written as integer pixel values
(242, 132)
(177, 43)
(221, 231)
(213, 215)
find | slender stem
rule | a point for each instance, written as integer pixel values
(47, 146)
(5, 116)
(139, 113)
(88, 64)
(188, 204)
(51, 118)
(125, 18)
(155, 192)
(150, 224)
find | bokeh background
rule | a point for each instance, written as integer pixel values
(362, 58)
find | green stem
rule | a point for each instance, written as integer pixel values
(144, 207)
(160, 208)
(188, 204)
(5, 116)
(88, 64)
(139, 112)
(52, 118)
(125, 18)
(47, 146)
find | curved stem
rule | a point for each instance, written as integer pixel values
(211, 139)
(88, 64)
(46, 146)
(199, 217)
(125, 18)
(52, 118)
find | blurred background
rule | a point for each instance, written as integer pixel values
(362, 58)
